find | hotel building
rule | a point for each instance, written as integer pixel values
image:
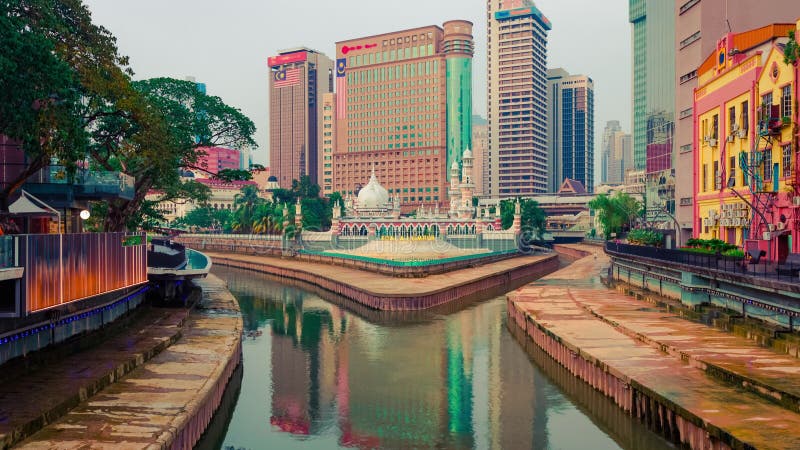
(517, 98)
(403, 108)
(298, 79)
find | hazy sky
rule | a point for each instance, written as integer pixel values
(226, 44)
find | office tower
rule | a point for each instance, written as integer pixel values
(620, 157)
(325, 176)
(480, 152)
(653, 108)
(517, 65)
(612, 126)
(403, 109)
(298, 79)
(570, 129)
(698, 27)
(214, 159)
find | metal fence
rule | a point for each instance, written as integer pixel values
(730, 264)
(62, 268)
(6, 252)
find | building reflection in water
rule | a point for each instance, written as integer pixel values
(456, 381)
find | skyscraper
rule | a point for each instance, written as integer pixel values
(570, 129)
(620, 157)
(517, 98)
(698, 27)
(653, 109)
(612, 126)
(325, 176)
(298, 79)
(480, 151)
(403, 108)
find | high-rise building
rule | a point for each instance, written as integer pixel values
(570, 129)
(325, 177)
(517, 98)
(653, 109)
(215, 159)
(698, 26)
(480, 152)
(298, 79)
(403, 108)
(620, 157)
(612, 126)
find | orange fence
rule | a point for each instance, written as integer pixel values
(64, 268)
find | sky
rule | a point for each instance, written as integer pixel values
(226, 44)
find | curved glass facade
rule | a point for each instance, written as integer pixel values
(459, 108)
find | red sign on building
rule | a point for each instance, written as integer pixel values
(274, 61)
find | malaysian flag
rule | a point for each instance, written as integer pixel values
(286, 77)
(341, 88)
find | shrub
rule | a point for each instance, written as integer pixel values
(644, 237)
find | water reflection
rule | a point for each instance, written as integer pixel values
(320, 377)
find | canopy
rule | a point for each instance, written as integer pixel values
(28, 205)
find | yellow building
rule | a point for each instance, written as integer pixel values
(744, 157)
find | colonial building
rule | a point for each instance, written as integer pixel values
(745, 141)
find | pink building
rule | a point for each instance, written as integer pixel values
(218, 158)
(698, 26)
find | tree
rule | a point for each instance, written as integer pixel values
(616, 213)
(245, 204)
(532, 218)
(170, 122)
(791, 53)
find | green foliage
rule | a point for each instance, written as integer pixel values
(791, 53)
(234, 175)
(532, 217)
(615, 213)
(641, 236)
(710, 246)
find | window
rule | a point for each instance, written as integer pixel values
(717, 177)
(731, 118)
(768, 164)
(705, 177)
(786, 101)
(733, 168)
(787, 160)
(745, 116)
(715, 126)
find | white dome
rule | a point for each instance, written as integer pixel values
(454, 166)
(467, 154)
(373, 195)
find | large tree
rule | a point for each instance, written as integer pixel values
(616, 213)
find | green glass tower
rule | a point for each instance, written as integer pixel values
(458, 48)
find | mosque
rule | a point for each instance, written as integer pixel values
(374, 215)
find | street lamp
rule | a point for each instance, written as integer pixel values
(85, 214)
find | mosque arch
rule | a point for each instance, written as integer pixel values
(363, 230)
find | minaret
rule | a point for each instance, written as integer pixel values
(467, 186)
(454, 192)
(298, 214)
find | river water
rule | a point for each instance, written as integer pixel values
(324, 374)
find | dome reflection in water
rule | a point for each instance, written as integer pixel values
(321, 374)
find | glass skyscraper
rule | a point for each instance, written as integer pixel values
(653, 111)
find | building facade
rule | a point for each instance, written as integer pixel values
(480, 151)
(653, 108)
(698, 26)
(517, 98)
(214, 159)
(620, 157)
(746, 139)
(325, 164)
(403, 109)
(298, 79)
(612, 126)
(570, 129)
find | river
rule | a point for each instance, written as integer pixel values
(321, 374)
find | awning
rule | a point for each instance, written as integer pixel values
(28, 205)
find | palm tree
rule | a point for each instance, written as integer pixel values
(245, 202)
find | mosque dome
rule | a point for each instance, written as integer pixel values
(373, 195)
(272, 178)
(467, 154)
(454, 166)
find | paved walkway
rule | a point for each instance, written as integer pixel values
(379, 284)
(626, 336)
(29, 399)
(169, 400)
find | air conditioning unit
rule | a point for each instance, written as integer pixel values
(725, 222)
(742, 133)
(796, 200)
(735, 127)
(712, 142)
(729, 138)
(781, 225)
(737, 222)
(766, 235)
(705, 222)
(771, 227)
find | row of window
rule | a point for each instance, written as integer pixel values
(392, 55)
(767, 169)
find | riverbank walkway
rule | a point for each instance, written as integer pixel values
(690, 379)
(167, 400)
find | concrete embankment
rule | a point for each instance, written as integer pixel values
(386, 293)
(659, 367)
(168, 402)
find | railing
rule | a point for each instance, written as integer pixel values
(62, 268)
(729, 264)
(89, 183)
